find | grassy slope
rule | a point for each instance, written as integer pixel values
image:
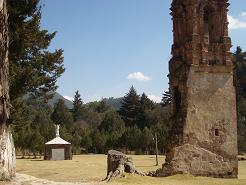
(86, 168)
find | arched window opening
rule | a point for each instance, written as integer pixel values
(207, 25)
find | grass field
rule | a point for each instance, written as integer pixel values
(92, 168)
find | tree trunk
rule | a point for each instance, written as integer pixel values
(118, 163)
(7, 150)
(114, 157)
(7, 154)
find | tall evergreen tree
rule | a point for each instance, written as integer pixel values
(77, 106)
(112, 122)
(131, 139)
(36, 142)
(166, 99)
(130, 107)
(23, 139)
(33, 68)
(146, 105)
(62, 116)
(86, 142)
(147, 139)
(103, 106)
(34, 125)
(76, 140)
(43, 124)
(112, 127)
(98, 141)
(239, 58)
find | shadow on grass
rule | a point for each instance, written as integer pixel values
(30, 159)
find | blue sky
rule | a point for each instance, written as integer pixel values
(110, 45)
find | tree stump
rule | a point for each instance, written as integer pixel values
(118, 163)
(114, 157)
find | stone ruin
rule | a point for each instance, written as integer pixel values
(203, 117)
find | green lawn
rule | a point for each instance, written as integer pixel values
(87, 168)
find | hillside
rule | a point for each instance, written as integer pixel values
(114, 102)
(57, 97)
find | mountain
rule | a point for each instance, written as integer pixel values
(54, 100)
(114, 102)
(57, 97)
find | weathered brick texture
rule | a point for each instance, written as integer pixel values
(203, 118)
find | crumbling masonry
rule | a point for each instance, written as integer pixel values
(203, 118)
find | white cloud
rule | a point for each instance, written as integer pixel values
(68, 98)
(243, 14)
(235, 23)
(138, 76)
(156, 99)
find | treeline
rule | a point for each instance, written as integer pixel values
(95, 127)
(239, 58)
(34, 69)
(131, 128)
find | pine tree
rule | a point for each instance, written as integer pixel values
(62, 116)
(131, 139)
(37, 142)
(28, 51)
(43, 124)
(103, 106)
(239, 58)
(86, 141)
(112, 122)
(146, 105)
(34, 125)
(130, 107)
(23, 139)
(76, 140)
(77, 106)
(33, 68)
(98, 141)
(166, 99)
(147, 139)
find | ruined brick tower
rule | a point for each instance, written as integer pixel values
(203, 118)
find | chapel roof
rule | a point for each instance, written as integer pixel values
(57, 141)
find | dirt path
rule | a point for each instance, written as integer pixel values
(23, 179)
